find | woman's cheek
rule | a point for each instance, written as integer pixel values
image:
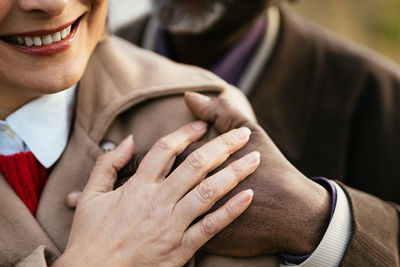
(5, 6)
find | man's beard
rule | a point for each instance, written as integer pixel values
(177, 16)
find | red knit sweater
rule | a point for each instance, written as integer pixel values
(26, 175)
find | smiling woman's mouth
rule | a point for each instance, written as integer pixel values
(29, 41)
(44, 42)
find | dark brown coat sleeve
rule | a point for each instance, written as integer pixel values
(375, 233)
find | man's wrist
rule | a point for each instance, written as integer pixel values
(312, 220)
(332, 247)
(329, 186)
(319, 224)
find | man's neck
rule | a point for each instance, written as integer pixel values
(205, 50)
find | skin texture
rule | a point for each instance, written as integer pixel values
(283, 218)
(45, 74)
(295, 227)
(153, 214)
(290, 213)
(108, 230)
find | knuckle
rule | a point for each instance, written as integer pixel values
(229, 140)
(209, 225)
(238, 169)
(223, 103)
(164, 144)
(208, 111)
(196, 160)
(102, 162)
(206, 191)
(231, 211)
(103, 158)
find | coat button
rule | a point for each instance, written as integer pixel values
(107, 146)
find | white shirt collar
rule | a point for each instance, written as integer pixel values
(41, 126)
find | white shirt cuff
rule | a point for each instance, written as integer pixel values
(332, 247)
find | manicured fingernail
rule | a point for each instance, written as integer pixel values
(126, 142)
(242, 133)
(199, 125)
(199, 97)
(246, 196)
(250, 192)
(252, 158)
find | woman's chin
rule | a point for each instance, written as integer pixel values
(51, 86)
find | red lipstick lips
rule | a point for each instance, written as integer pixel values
(44, 43)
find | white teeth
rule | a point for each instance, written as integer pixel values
(64, 33)
(46, 40)
(41, 40)
(20, 40)
(69, 29)
(37, 41)
(28, 41)
(56, 37)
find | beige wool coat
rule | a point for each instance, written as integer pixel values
(125, 90)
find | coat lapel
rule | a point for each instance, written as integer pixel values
(283, 104)
(69, 174)
(114, 81)
(20, 232)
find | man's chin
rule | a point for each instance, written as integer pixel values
(186, 29)
(178, 20)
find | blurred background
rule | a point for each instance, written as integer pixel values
(122, 11)
(372, 23)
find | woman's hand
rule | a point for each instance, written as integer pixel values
(148, 220)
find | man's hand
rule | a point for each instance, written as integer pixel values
(289, 213)
(148, 221)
